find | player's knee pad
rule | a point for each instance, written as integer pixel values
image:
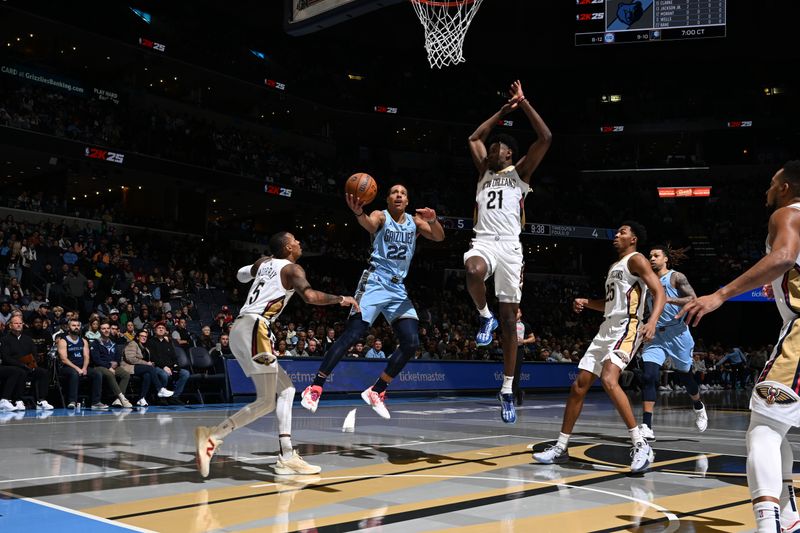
(687, 380)
(407, 331)
(650, 376)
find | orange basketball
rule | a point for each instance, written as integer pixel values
(362, 186)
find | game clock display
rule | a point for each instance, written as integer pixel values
(636, 21)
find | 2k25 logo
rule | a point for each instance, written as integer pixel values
(104, 155)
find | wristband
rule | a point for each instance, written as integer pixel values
(342, 300)
(523, 99)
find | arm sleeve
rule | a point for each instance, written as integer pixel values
(244, 274)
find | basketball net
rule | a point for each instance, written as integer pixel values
(446, 24)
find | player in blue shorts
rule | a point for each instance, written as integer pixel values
(381, 290)
(672, 339)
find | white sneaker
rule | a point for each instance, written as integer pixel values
(642, 457)
(310, 398)
(122, 401)
(647, 432)
(142, 402)
(296, 465)
(20, 406)
(205, 447)
(99, 406)
(164, 393)
(5, 405)
(701, 419)
(553, 455)
(703, 388)
(42, 404)
(376, 401)
(664, 388)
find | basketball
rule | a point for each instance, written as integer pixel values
(362, 186)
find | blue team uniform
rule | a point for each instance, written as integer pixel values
(672, 338)
(381, 288)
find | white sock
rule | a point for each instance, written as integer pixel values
(563, 440)
(789, 513)
(636, 435)
(485, 313)
(506, 388)
(768, 517)
(286, 447)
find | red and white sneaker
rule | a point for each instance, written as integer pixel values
(207, 444)
(310, 397)
(376, 401)
(793, 528)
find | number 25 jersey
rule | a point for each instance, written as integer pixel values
(500, 204)
(625, 292)
(393, 246)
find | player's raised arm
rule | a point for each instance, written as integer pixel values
(785, 225)
(536, 152)
(370, 222)
(640, 266)
(428, 225)
(295, 277)
(477, 146)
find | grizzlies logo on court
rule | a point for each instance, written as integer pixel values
(630, 13)
(774, 395)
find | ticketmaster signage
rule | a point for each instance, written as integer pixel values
(356, 375)
(45, 79)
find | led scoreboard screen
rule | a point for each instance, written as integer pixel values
(639, 21)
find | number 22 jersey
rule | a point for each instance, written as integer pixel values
(393, 246)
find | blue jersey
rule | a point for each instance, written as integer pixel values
(667, 317)
(393, 247)
(74, 350)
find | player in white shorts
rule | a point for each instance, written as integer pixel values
(275, 280)
(620, 336)
(499, 217)
(774, 403)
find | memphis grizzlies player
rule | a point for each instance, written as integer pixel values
(774, 402)
(381, 290)
(672, 339)
(499, 217)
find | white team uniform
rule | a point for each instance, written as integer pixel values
(499, 217)
(618, 337)
(777, 391)
(251, 338)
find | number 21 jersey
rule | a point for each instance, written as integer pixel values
(500, 204)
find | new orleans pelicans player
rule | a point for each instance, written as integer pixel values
(499, 217)
(774, 403)
(275, 279)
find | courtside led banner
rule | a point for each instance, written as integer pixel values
(684, 192)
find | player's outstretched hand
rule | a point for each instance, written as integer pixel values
(347, 301)
(427, 214)
(356, 205)
(648, 332)
(578, 304)
(698, 308)
(515, 94)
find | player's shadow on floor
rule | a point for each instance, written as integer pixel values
(395, 455)
(601, 438)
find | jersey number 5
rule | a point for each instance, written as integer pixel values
(256, 290)
(397, 251)
(495, 195)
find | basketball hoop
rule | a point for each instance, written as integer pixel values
(446, 24)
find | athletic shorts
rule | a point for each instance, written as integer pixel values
(252, 344)
(503, 261)
(675, 342)
(618, 340)
(775, 394)
(376, 295)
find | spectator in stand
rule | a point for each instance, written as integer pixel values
(113, 317)
(73, 351)
(738, 362)
(130, 331)
(299, 349)
(181, 335)
(5, 312)
(143, 320)
(206, 340)
(93, 333)
(163, 353)
(106, 361)
(75, 284)
(699, 370)
(329, 339)
(137, 361)
(313, 350)
(118, 339)
(37, 301)
(127, 314)
(19, 350)
(282, 352)
(357, 350)
(223, 347)
(42, 340)
(376, 352)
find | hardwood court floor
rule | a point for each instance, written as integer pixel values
(439, 464)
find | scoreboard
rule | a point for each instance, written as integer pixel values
(639, 21)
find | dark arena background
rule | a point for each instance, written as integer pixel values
(149, 150)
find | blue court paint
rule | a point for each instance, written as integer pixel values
(23, 516)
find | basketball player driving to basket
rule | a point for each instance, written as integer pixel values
(499, 217)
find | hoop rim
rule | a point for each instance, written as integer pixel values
(444, 3)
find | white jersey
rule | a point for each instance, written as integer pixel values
(500, 204)
(267, 296)
(625, 292)
(787, 287)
